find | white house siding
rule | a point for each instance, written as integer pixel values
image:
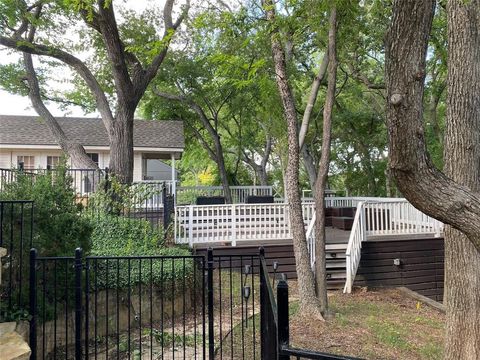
(137, 166)
(5, 162)
(8, 159)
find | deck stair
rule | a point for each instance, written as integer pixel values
(283, 254)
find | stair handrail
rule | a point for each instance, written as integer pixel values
(354, 247)
(310, 236)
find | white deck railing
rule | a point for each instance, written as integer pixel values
(188, 194)
(383, 219)
(354, 247)
(397, 218)
(233, 223)
(337, 202)
(310, 236)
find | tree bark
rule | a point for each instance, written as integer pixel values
(121, 146)
(322, 173)
(309, 304)
(222, 169)
(454, 200)
(462, 154)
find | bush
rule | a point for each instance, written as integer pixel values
(127, 237)
(120, 236)
(59, 227)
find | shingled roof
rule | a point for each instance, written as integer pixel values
(32, 130)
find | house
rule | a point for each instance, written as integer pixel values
(28, 140)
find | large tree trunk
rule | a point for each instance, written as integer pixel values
(455, 199)
(319, 194)
(121, 146)
(462, 154)
(309, 304)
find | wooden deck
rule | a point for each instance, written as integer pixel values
(243, 228)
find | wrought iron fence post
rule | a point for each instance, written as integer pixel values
(33, 303)
(78, 303)
(283, 327)
(211, 339)
(263, 308)
(87, 304)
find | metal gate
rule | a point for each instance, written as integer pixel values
(145, 307)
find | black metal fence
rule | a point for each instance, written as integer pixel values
(145, 307)
(150, 201)
(16, 236)
(275, 322)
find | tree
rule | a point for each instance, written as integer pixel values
(130, 53)
(453, 196)
(309, 303)
(321, 181)
(220, 87)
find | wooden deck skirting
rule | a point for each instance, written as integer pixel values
(421, 266)
(420, 270)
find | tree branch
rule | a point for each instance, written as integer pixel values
(115, 51)
(74, 150)
(170, 28)
(312, 98)
(39, 49)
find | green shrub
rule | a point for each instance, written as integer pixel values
(129, 237)
(120, 236)
(59, 227)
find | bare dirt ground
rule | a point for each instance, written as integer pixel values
(378, 324)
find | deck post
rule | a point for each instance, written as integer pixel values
(348, 282)
(174, 181)
(234, 226)
(190, 225)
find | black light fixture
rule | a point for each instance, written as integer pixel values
(275, 267)
(246, 295)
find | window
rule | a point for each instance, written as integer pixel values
(52, 162)
(94, 157)
(27, 161)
